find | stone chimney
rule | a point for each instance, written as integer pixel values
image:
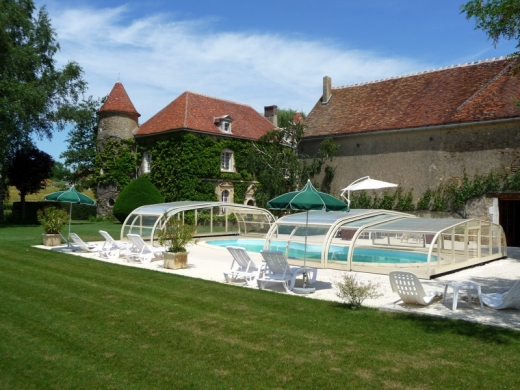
(327, 90)
(271, 114)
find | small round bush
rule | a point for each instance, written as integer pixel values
(140, 192)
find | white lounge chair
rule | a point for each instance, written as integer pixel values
(111, 249)
(278, 270)
(410, 288)
(242, 267)
(79, 244)
(509, 299)
(142, 251)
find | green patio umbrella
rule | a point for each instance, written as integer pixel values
(70, 196)
(308, 198)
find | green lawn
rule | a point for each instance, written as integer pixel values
(70, 322)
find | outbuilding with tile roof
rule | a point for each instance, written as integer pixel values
(424, 130)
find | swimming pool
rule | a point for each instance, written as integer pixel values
(336, 253)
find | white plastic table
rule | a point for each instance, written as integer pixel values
(463, 285)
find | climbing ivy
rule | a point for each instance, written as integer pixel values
(117, 161)
(184, 166)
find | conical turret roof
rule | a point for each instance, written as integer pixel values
(118, 101)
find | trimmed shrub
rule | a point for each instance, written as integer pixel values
(140, 192)
(79, 211)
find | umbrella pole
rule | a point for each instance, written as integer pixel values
(305, 251)
(70, 217)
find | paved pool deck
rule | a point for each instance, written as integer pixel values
(209, 263)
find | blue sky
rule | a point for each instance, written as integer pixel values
(256, 52)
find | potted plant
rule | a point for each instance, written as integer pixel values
(175, 235)
(52, 220)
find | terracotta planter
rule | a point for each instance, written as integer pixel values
(175, 260)
(51, 239)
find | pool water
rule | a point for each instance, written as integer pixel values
(336, 253)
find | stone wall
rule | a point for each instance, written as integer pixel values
(426, 158)
(112, 126)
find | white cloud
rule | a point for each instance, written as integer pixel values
(158, 59)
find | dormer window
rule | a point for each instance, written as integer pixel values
(224, 123)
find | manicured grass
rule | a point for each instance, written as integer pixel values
(14, 195)
(69, 322)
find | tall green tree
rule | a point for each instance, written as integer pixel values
(279, 165)
(27, 171)
(80, 156)
(497, 18)
(33, 91)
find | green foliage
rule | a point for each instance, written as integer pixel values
(33, 92)
(511, 182)
(139, 192)
(497, 18)
(404, 202)
(59, 171)
(52, 219)
(118, 162)
(79, 211)
(285, 117)
(386, 202)
(424, 202)
(197, 160)
(360, 200)
(27, 171)
(175, 234)
(354, 291)
(80, 155)
(440, 200)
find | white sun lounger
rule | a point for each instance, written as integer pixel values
(80, 245)
(278, 270)
(112, 249)
(410, 288)
(141, 251)
(242, 267)
(509, 299)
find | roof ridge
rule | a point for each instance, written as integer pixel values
(494, 59)
(216, 98)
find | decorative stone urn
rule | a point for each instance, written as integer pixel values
(51, 239)
(175, 260)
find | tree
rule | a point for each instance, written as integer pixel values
(278, 163)
(80, 155)
(33, 92)
(27, 172)
(60, 171)
(497, 18)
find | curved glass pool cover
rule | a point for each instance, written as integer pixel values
(380, 241)
(211, 218)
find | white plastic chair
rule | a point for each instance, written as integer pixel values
(242, 267)
(111, 249)
(278, 270)
(410, 288)
(79, 244)
(509, 299)
(141, 251)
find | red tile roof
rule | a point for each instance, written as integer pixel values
(118, 101)
(467, 93)
(197, 112)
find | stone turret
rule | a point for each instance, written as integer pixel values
(117, 120)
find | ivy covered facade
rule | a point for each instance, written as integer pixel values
(195, 148)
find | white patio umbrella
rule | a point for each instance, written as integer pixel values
(365, 183)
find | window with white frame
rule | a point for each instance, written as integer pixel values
(226, 160)
(146, 163)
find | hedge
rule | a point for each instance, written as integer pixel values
(79, 211)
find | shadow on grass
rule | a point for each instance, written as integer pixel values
(482, 332)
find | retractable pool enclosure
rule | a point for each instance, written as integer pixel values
(211, 218)
(379, 241)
